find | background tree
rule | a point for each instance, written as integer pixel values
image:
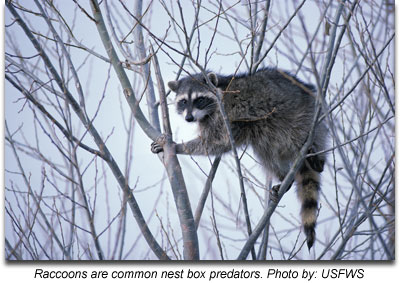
(85, 96)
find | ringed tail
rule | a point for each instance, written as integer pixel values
(308, 182)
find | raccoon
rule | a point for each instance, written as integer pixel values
(271, 111)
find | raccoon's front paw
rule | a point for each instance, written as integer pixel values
(158, 144)
(156, 148)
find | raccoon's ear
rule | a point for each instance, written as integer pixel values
(213, 78)
(173, 85)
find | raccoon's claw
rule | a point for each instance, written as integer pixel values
(158, 144)
(273, 193)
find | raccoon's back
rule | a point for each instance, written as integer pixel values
(268, 94)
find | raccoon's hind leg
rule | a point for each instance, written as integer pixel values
(279, 170)
(316, 162)
(308, 183)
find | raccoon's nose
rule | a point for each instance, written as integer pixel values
(189, 118)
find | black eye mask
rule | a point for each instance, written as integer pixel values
(202, 102)
(181, 105)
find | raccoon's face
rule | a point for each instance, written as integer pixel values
(195, 106)
(193, 99)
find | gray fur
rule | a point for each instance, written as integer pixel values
(271, 111)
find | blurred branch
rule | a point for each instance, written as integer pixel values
(145, 69)
(103, 148)
(123, 78)
(174, 171)
(328, 65)
(33, 196)
(257, 63)
(52, 119)
(206, 190)
(261, 37)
